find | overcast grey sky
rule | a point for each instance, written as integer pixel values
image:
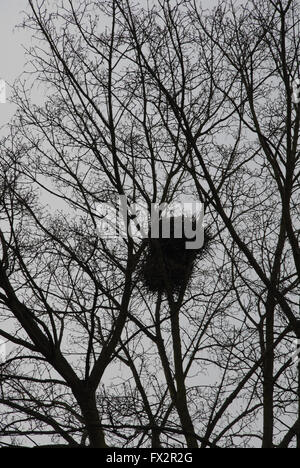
(12, 57)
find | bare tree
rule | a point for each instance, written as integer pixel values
(154, 103)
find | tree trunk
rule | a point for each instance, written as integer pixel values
(87, 402)
(181, 399)
(268, 385)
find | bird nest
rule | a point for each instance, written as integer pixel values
(167, 264)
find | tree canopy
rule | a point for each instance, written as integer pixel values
(152, 101)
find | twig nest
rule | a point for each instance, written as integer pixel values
(167, 262)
